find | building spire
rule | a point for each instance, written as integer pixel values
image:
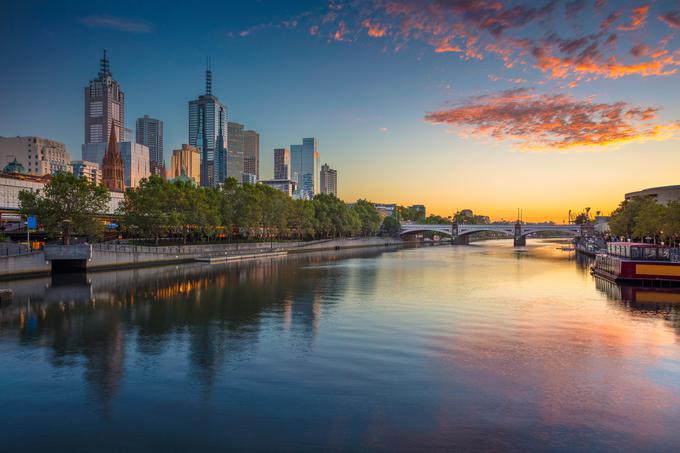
(208, 79)
(104, 70)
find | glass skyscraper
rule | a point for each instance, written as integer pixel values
(208, 133)
(104, 105)
(304, 163)
(150, 134)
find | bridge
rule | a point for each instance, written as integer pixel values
(460, 233)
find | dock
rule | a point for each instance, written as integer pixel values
(219, 259)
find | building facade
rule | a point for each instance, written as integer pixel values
(135, 163)
(248, 178)
(208, 133)
(328, 178)
(150, 134)
(39, 156)
(287, 186)
(304, 161)
(251, 153)
(112, 165)
(87, 170)
(662, 195)
(282, 164)
(104, 105)
(235, 149)
(186, 162)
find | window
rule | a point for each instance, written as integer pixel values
(96, 133)
(96, 109)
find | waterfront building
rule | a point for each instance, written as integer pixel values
(39, 156)
(282, 164)
(287, 186)
(248, 178)
(104, 106)
(112, 165)
(150, 134)
(87, 170)
(662, 195)
(135, 163)
(304, 160)
(187, 162)
(385, 209)
(208, 133)
(13, 180)
(328, 180)
(251, 153)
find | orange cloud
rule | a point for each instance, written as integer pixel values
(552, 122)
(637, 19)
(375, 30)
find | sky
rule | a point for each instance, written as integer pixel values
(491, 105)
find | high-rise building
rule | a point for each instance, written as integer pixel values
(112, 164)
(282, 164)
(150, 134)
(235, 147)
(104, 106)
(304, 160)
(251, 153)
(39, 156)
(284, 185)
(208, 133)
(329, 180)
(186, 162)
(87, 170)
(135, 162)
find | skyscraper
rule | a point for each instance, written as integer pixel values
(251, 153)
(329, 180)
(235, 147)
(208, 133)
(150, 134)
(305, 169)
(104, 106)
(281, 163)
(112, 164)
(186, 162)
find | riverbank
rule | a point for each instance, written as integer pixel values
(110, 256)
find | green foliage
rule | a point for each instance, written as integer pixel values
(67, 205)
(642, 217)
(390, 226)
(159, 208)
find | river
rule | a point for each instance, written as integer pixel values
(481, 347)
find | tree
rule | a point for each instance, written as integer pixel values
(390, 226)
(369, 217)
(67, 205)
(623, 220)
(649, 220)
(147, 210)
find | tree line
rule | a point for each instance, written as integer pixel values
(159, 209)
(643, 219)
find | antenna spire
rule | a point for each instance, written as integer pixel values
(104, 69)
(208, 79)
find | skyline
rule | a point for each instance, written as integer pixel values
(398, 85)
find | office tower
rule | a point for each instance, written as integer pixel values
(186, 162)
(281, 164)
(208, 133)
(329, 180)
(150, 134)
(248, 178)
(235, 147)
(284, 185)
(135, 163)
(39, 156)
(112, 164)
(305, 169)
(87, 170)
(251, 153)
(104, 106)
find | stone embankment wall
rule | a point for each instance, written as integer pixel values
(111, 256)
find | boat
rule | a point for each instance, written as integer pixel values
(639, 263)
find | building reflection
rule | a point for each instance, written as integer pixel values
(92, 321)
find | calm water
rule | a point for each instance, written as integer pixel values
(434, 348)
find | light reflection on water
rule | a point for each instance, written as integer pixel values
(478, 347)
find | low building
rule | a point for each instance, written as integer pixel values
(662, 195)
(287, 186)
(248, 178)
(87, 170)
(39, 156)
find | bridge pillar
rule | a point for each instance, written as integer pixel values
(520, 240)
(461, 240)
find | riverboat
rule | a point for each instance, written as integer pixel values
(639, 263)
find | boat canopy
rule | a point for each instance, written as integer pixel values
(639, 251)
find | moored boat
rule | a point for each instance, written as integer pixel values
(639, 263)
